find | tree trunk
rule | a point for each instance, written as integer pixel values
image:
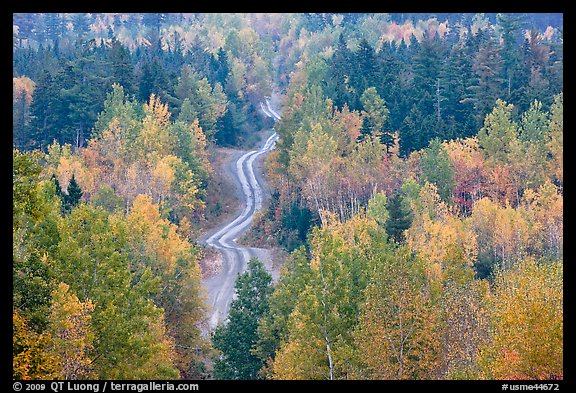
(438, 100)
(328, 348)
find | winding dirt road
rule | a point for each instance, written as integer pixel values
(220, 288)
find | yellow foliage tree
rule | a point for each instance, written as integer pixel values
(162, 177)
(555, 139)
(299, 358)
(397, 333)
(545, 209)
(526, 321)
(156, 244)
(30, 359)
(465, 327)
(22, 87)
(71, 334)
(154, 135)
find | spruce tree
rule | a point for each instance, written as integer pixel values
(74, 192)
(399, 218)
(42, 126)
(122, 68)
(72, 197)
(59, 191)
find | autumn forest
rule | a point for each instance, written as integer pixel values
(382, 194)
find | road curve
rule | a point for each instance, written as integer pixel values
(220, 288)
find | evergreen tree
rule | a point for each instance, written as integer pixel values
(487, 85)
(364, 72)
(74, 193)
(59, 191)
(339, 74)
(429, 86)
(415, 131)
(391, 88)
(223, 68)
(54, 26)
(85, 81)
(366, 129)
(510, 26)
(399, 217)
(122, 68)
(81, 23)
(42, 127)
(226, 132)
(152, 79)
(71, 197)
(238, 336)
(457, 74)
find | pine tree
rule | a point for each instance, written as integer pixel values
(458, 76)
(391, 88)
(366, 129)
(416, 130)
(225, 129)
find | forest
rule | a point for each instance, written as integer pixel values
(416, 188)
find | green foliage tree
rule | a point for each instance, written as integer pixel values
(273, 327)
(319, 344)
(377, 208)
(437, 169)
(237, 338)
(35, 236)
(107, 199)
(377, 115)
(498, 133)
(131, 337)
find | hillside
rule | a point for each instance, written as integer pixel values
(304, 196)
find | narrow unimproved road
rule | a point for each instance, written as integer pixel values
(220, 288)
